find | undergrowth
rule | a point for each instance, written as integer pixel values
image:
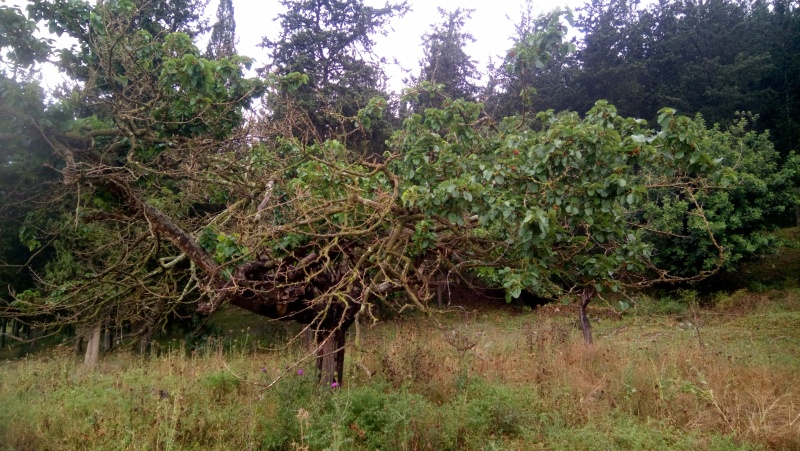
(696, 378)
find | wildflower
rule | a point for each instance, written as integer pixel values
(263, 369)
(334, 385)
(300, 372)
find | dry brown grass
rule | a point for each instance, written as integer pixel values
(719, 376)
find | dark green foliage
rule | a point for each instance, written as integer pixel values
(18, 46)
(223, 33)
(540, 52)
(712, 58)
(330, 42)
(153, 16)
(445, 62)
(739, 215)
(23, 151)
(168, 95)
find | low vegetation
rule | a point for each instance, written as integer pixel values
(666, 374)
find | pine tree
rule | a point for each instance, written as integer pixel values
(330, 42)
(445, 60)
(223, 32)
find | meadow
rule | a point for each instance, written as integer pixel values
(678, 371)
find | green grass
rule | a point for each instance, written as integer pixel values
(730, 382)
(663, 374)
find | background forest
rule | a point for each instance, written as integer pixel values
(646, 164)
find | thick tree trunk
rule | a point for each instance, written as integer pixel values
(93, 346)
(586, 296)
(330, 356)
(78, 345)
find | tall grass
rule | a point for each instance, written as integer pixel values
(724, 378)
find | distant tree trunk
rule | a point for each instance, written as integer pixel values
(108, 339)
(797, 215)
(586, 296)
(93, 346)
(78, 344)
(3, 324)
(308, 340)
(145, 341)
(15, 328)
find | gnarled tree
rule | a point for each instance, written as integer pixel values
(312, 230)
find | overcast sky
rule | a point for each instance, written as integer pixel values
(492, 25)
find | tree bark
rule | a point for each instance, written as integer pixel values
(145, 341)
(586, 296)
(93, 346)
(330, 356)
(3, 324)
(108, 339)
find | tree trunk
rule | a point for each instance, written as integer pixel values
(797, 215)
(3, 324)
(15, 328)
(586, 296)
(93, 346)
(308, 340)
(145, 341)
(330, 356)
(108, 339)
(78, 344)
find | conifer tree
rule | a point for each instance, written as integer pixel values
(330, 42)
(446, 62)
(223, 32)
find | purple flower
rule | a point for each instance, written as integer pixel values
(300, 372)
(334, 384)
(264, 369)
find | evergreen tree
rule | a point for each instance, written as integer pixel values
(330, 42)
(223, 33)
(540, 52)
(445, 60)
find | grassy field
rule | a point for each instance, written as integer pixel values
(720, 372)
